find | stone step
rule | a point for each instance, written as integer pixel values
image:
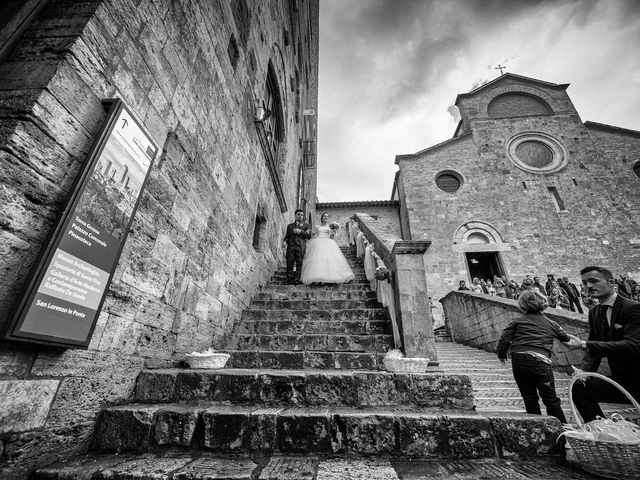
(329, 287)
(319, 304)
(302, 315)
(304, 388)
(367, 431)
(195, 465)
(313, 294)
(482, 370)
(358, 271)
(304, 360)
(314, 343)
(358, 281)
(505, 392)
(359, 277)
(311, 327)
(352, 260)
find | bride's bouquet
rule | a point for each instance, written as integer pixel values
(335, 226)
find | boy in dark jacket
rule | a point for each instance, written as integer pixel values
(530, 338)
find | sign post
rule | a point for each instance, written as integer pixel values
(69, 283)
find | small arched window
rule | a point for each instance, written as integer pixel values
(636, 169)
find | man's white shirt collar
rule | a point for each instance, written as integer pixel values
(610, 300)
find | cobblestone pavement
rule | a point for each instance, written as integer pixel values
(180, 466)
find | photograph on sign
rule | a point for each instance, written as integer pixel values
(113, 189)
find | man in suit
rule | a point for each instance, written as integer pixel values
(614, 332)
(624, 288)
(548, 286)
(572, 292)
(296, 238)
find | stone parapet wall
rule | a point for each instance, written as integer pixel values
(189, 266)
(478, 320)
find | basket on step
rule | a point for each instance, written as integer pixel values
(608, 459)
(209, 360)
(406, 365)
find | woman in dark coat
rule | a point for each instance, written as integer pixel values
(530, 338)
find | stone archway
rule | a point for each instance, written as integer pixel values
(480, 246)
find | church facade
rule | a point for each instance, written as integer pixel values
(523, 187)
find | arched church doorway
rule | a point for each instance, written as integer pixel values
(484, 265)
(480, 245)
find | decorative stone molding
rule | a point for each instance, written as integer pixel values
(560, 155)
(462, 233)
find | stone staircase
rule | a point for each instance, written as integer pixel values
(304, 396)
(494, 387)
(313, 327)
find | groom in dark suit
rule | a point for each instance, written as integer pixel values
(296, 238)
(614, 332)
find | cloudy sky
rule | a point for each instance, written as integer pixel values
(391, 69)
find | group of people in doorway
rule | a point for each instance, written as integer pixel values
(561, 293)
(313, 256)
(614, 333)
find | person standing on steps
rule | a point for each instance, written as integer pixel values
(530, 338)
(324, 262)
(614, 332)
(572, 292)
(295, 240)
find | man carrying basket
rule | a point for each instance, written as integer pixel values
(614, 332)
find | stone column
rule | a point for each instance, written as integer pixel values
(412, 299)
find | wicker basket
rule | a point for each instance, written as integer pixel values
(212, 360)
(406, 365)
(607, 459)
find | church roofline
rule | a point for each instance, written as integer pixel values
(411, 156)
(363, 203)
(458, 128)
(561, 86)
(394, 188)
(604, 126)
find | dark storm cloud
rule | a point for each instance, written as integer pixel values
(390, 68)
(418, 42)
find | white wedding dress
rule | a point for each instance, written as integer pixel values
(323, 260)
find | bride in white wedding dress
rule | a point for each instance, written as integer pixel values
(324, 262)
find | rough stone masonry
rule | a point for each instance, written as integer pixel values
(192, 72)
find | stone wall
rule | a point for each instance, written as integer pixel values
(478, 320)
(191, 71)
(598, 226)
(386, 212)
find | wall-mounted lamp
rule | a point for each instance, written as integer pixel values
(261, 111)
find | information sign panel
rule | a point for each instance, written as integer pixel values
(68, 286)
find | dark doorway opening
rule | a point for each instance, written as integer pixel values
(484, 265)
